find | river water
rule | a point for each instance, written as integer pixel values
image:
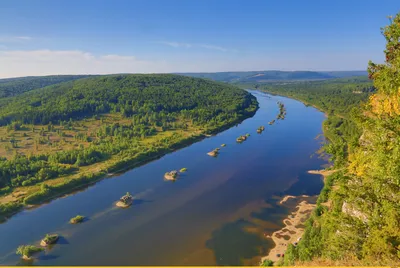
(217, 213)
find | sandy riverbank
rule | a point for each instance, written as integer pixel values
(322, 172)
(294, 223)
(292, 231)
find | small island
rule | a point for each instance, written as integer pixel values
(223, 145)
(247, 135)
(271, 122)
(260, 129)
(125, 201)
(282, 111)
(241, 138)
(171, 176)
(27, 251)
(183, 170)
(214, 152)
(77, 219)
(49, 240)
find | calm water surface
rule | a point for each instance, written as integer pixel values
(216, 213)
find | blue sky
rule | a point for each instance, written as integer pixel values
(39, 37)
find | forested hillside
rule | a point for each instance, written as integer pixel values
(59, 137)
(265, 76)
(131, 95)
(357, 219)
(15, 86)
(332, 96)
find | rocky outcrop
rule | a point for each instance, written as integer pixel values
(49, 240)
(213, 152)
(241, 138)
(125, 201)
(171, 176)
(351, 211)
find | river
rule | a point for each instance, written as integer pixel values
(217, 213)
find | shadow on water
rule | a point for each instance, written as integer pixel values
(23, 262)
(242, 244)
(48, 257)
(62, 241)
(234, 242)
(275, 213)
(86, 219)
(307, 184)
(138, 202)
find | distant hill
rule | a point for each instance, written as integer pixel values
(264, 76)
(343, 74)
(137, 94)
(10, 87)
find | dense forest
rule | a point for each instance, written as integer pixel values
(332, 96)
(357, 219)
(15, 86)
(63, 129)
(143, 97)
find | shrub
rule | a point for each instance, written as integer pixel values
(267, 263)
(77, 219)
(50, 239)
(27, 251)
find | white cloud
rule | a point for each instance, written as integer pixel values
(176, 44)
(187, 45)
(214, 47)
(23, 38)
(14, 39)
(46, 62)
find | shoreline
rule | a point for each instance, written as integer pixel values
(123, 165)
(323, 172)
(292, 230)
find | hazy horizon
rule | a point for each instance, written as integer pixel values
(189, 73)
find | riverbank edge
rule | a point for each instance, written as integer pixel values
(301, 205)
(120, 166)
(292, 228)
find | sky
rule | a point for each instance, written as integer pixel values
(45, 37)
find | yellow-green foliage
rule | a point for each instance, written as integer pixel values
(28, 250)
(362, 221)
(77, 219)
